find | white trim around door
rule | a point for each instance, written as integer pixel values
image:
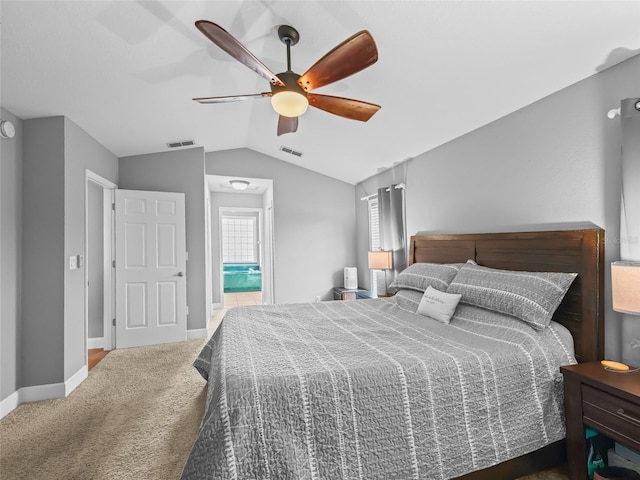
(108, 291)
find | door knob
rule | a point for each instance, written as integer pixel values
(179, 274)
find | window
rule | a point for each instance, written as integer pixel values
(374, 241)
(239, 241)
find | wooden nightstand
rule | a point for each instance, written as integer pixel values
(608, 402)
(341, 293)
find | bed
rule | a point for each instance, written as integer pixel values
(368, 389)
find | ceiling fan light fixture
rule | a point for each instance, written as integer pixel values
(239, 184)
(289, 90)
(289, 104)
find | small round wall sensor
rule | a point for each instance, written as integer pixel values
(637, 105)
(613, 113)
(7, 130)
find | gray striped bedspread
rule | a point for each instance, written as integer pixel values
(366, 390)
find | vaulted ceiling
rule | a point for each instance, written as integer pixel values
(126, 71)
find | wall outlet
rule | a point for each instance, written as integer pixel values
(317, 298)
(73, 262)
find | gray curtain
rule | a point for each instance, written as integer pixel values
(392, 231)
(630, 215)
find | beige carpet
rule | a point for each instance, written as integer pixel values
(135, 417)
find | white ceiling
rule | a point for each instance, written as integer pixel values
(126, 71)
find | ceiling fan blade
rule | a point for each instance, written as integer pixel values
(287, 125)
(344, 107)
(354, 54)
(233, 47)
(231, 98)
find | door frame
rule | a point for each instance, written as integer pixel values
(268, 295)
(108, 199)
(265, 252)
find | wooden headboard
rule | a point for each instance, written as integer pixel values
(580, 251)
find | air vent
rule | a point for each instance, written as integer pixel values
(291, 151)
(183, 143)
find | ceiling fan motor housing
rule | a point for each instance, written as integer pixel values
(290, 80)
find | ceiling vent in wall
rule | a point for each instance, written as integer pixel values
(183, 143)
(291, 151)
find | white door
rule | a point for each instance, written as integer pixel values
(151, 287)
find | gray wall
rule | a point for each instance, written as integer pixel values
(56, 154)
(557, 160)
(219, 199)
(314, 222)
(10, 257)
(178, 171)
(43, 264)
(82, 152)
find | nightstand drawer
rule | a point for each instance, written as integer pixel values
(617, 417)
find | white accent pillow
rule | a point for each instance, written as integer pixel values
(438, 305)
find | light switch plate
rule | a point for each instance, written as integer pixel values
(73, 262)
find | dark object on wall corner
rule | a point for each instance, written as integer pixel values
(615, 473)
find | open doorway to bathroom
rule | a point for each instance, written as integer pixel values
(241, 242)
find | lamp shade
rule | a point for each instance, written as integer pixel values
(625, 287)
(381, 260)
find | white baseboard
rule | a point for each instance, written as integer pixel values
(75, 380)
(36, 393)
(9, 404)
(97, 342)
(41, 392)
(198, 333)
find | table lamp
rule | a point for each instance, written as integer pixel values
(381, 260)
(625, 290)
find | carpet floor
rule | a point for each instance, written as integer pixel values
(134, 418)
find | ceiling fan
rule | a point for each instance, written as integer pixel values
(291, 93)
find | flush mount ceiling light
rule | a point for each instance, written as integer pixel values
(239, 184)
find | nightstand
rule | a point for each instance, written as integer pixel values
(341, 293)
(608, 402)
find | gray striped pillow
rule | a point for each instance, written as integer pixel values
(419, 276)
(408, 299)
(530, 296)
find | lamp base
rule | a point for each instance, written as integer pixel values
(617, 367)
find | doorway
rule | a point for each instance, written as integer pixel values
(254, 200)
(99, 254)
(241, 255)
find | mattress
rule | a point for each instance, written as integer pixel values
(367, 390)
